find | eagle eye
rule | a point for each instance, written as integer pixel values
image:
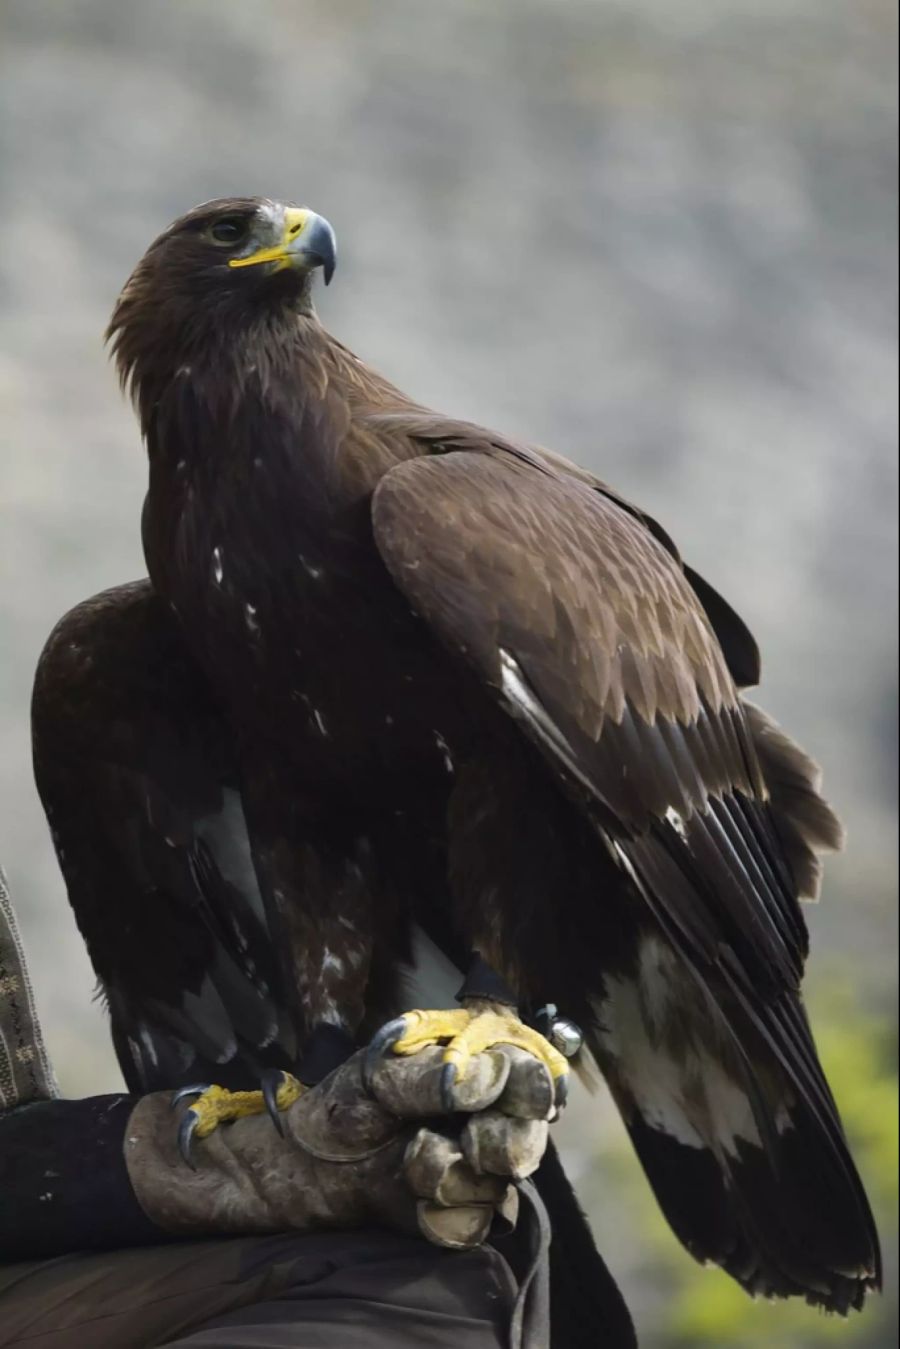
(230, 229)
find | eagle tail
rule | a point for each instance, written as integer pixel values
(737, 1133)
(805, 823)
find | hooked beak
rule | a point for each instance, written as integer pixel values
(307, 242)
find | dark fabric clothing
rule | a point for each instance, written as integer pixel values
(63, 1180)
(365, 1290)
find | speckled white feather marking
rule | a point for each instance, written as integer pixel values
(309, 568)
(445, 751)
(678, 1082)
(526, 706)
(676, 822)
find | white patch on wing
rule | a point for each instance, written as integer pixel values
(250, 617)
(146, 1040)
(676, 822)
(527, 707)
(659, 973)
(332, 962)
(320, 722)
(329, 1012)
(218, 569)
(445, 751)
(651, 1077)
(624, 861)
(657, 1028)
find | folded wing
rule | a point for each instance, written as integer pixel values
(581, 621)
(135, 772)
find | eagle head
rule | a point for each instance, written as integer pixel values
(225, 267)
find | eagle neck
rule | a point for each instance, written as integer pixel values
(205, 391)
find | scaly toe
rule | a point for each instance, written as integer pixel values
(409, 1033)
(468, 1032)
(214, 1106)
(421, 1029)
(486, 1029)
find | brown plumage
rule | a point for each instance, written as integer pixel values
(468, 686)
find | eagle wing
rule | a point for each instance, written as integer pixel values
(591, 636)
(134, 769)
(580, 619)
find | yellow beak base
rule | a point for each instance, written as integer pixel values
(285, 253)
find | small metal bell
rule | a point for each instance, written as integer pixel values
(566, 1036)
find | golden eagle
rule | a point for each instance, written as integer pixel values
(442, 680)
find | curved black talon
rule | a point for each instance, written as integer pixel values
(269, 1084)
(448, 1081)
(561, 1095)
(381, 1042)
(185, 1134)
(183, 1092)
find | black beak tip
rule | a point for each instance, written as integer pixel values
(327, 261)
(319, 246)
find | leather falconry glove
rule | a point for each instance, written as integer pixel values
(357, 1151)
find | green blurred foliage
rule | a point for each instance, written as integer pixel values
(701, 1308)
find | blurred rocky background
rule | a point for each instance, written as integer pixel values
(656, 235)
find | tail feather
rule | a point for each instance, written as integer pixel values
(805, 822)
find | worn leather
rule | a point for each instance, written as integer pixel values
(350, 1157)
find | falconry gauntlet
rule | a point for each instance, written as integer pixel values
(355, 1153)
(379, 1148)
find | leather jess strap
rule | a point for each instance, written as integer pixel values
(530, 1322)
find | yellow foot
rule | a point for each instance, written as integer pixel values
(214, 1106)
(468, 1032)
